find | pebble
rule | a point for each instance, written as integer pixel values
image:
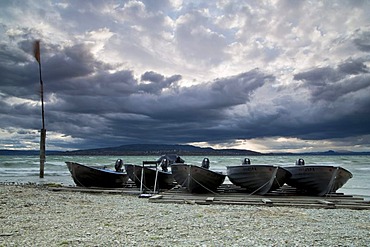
(35, 216)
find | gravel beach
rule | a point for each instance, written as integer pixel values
(34, 216)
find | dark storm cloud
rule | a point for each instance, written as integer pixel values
(329, 84)
(91, 105)
(138, 71)
(154, 82)
(20, 78)
(85, 102)
(353, 67)
(176, 116)
(206, 102)
(72, 62)
(339, 97)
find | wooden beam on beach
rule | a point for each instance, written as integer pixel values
(179, 195)
(156, 197)
(97, 190)
(210, 199)
(325, 202)
(189, 202)
(267, 201)
(230, 196)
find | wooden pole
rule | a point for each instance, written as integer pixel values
(42, 152)
(43, 130)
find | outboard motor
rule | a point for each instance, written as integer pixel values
(118, 165)
(246, 161)
(164, 165)
(205, 163)
(300, 162)
(179, 160)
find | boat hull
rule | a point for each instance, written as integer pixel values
(197, 179)
(165, 180)
(257, 179)
(317, 179)
(87, 176)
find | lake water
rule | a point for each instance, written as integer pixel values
(26, 169)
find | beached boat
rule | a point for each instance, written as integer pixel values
(257, 178)
(317, 179)
(197, 179)
(151, 175)
(91, 176)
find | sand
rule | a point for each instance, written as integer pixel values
(32, 215)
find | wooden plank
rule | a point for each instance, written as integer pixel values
(287, 201)
(326, 202)
(231, 197)
(145, 195)
(156, 197)
(168, 201)
(209, 200)
(267, 201)
(249, 199)
(189, 202)
(92, 190)
(303, 204)
(354, 207)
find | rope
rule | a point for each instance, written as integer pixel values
(182, 185)
(270, 181)
(191, 178)
(156, 177)
(259, 188)
(331, 183)
(140, 180)
(81, 184)
(204, 186)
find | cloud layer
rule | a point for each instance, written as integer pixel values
(285, 76)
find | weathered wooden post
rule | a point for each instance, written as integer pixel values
(36, 50)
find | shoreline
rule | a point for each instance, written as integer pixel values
(32, 215)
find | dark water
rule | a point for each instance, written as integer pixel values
(25, 169)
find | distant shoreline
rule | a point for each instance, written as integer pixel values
(77, 153)
(160, 149)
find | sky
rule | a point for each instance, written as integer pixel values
(267, 76)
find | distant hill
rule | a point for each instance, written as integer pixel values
(155, 149)
(159, 149)
(330, 152)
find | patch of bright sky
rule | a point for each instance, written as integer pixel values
(274, 145)
(19, 101)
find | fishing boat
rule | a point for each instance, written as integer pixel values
(197, 179)
(317, 179)
(151, 175)
(92, 176)
(257, 178)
